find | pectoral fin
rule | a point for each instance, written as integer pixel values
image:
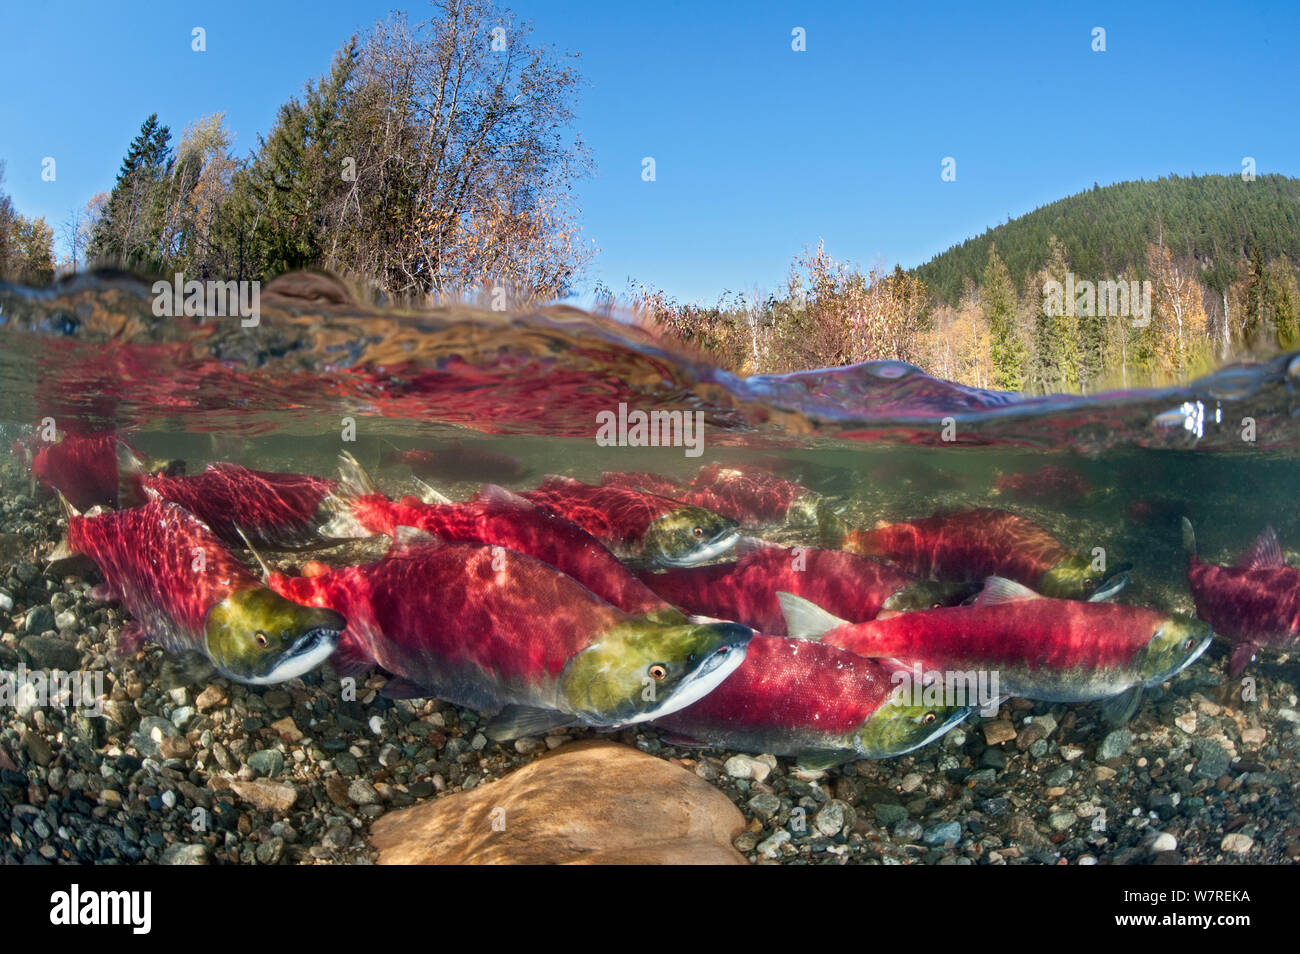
(517, 722)
(399, 688)
(825, 758)
(1117, 710)
(1242, 654)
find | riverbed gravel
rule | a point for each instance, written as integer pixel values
(185, 767)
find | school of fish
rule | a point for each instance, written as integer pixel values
(640, 598)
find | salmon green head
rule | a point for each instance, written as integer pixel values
(642, 669)
(1075, 578)
(1174, 647)
(257, 636)
(928, 594)
(897, 727)
(686, 535)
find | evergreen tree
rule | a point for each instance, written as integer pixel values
(1282, 296)
(296, 180)
(130, 231)
(998, 295)
(1253, 321)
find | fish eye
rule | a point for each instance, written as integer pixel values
(1088, 581)
(928, 718)
(698, 531)
(261, 638)
(658, 671)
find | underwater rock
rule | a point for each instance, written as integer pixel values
(588, 803)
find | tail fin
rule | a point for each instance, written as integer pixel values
(1189, 539)
(130, 474)
(354, 482)
(430, 495)
(63, 550)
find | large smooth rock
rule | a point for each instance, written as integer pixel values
(592, 802)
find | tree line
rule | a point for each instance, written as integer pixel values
(433, 158)
(1050, 330)
(436, 159)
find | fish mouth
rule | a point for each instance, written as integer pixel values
(1192, 657)
(1111, 587)
(957, 716)
(307, 652)
(705, 552)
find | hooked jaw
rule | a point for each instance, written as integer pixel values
(258, 637)
(710, 674)
(709, 551)
(307, 652)
(690, 535)
(1175, 646)
(644, 670)
(897, 729)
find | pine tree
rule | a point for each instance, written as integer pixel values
(1253, 321)
(999, 298)
(130, 232)
(296, 180)
(1282, 296)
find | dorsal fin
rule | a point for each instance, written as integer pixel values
(804, 619)
(496, 494)
(998, 589)
(1264, 552)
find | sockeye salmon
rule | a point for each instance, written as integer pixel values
(1039, 648)
(975, 544)
(638, 525)
(457, 461)
(502, 632)
(186, 591)
(1254, 605)
(851, 587)
(500, 518)
(82, 467)
(277, 511)
(749, 495)
(815, 702)
(1052, 484)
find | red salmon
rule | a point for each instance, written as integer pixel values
(1255, 604)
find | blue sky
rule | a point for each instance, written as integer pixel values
(760, 151)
